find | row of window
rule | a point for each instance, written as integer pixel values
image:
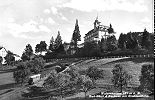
(92, 35)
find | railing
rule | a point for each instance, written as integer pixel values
(104, 57)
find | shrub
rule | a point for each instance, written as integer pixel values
(147, 77)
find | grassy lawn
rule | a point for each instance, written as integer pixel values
(132, 65)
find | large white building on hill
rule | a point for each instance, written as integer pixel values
(100, 31)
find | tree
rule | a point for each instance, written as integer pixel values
(59, 81)
(94, 73)
(131, 41)
(36, 65)
(122, 41)
(51, 47)
(146, 42)
(37, 48)
(41, 47)
(147, 77)
(51, 80)
(111, 43)
(152, 43)
(86, 83)
(91, 49)
(76, 34)
(110, 29)
(74, 74)
(9, 57)
(28, 52)
(58, 46)
(62, 81)
(1, 59)
(21, 74)
(120, 77)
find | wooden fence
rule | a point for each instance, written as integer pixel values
(104, 57)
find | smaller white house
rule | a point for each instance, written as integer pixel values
(3, 53)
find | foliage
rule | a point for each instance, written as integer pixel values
(146, 42)
(86, 83)
(111, 43)
(9, 57)
(1, 59)
(41, 47)
(122, 41)
(147, 77)
(21, 75)
(94, 73)
(58, 41)
(91, 49)
(28, 52)
(76, 34)
(51, 46)
(110, 29)
(24, 69)
(120, 77)
(51, 80)
(131, 41)
(36, 65)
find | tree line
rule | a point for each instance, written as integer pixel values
(132, 43)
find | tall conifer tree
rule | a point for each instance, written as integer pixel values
(76, 34)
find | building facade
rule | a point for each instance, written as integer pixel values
(100, 31)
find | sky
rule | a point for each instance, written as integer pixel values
(25, 22)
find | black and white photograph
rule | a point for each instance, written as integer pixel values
(76, 49)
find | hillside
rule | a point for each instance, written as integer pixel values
(132, 65)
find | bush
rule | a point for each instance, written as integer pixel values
(24, 69)
(147, 77)
(21, 75)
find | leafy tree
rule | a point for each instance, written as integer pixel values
(120, 77)
(62, 80)
(41, 47)
(91, 49)
(37, 48)
(122, 41)
(21, 74)
(111, 43)
(24, 69)
(36, 65)
(74, 74)
(9, 57)
(94, 73)
(76, 34)
(131, 41)
(86, 83)
(146, 42)
(28, 52)
(103, 45)
(1, 59)
(147, 77)
(51, 81)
